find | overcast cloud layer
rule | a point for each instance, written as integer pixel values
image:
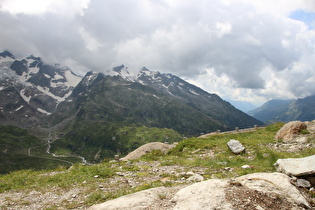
(241, 49)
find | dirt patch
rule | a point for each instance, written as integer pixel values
(248, 199)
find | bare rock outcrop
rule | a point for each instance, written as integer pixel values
(149, 147)
(297, 166)
(270, 191)
(310, 126)
(290, 130)
(139, 200)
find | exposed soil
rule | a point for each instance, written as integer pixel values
(248, 199)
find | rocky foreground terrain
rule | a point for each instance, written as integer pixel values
(163, 185)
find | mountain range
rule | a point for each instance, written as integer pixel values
(278, 110)
(99, 115)
(244, 106)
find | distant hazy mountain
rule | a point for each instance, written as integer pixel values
(99, 115)
(286, 110)
(243, 105)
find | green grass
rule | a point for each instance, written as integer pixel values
(259, 153)
(210, 155)
(61, 177)
(110, 139)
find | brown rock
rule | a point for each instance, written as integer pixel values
(289, 130)
(149, 147)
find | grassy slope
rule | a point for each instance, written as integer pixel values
(14, 144)
(189, 153)
(115, 139)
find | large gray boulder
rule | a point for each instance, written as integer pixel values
(290, 130)
(235, 146)
(297, 166)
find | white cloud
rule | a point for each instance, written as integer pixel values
(37, 7)
(90, 42)
(253, 49)
(223, 28)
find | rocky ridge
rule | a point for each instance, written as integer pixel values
(32, 89)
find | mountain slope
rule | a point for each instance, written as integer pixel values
(32, 89)
(14, 143)
(95, 114)
(209, 104)
(286, 110)
(104, 104)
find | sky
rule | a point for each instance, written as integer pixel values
(243, 50)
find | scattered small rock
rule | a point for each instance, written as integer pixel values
(190, 173)
(165, 179)
(228, 169)
(195, 178)
(303, 183)
(246, 166)
(120, 173)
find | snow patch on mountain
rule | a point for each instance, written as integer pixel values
(19, 108)
(124, 72)
(6, 59)
(72, 79)
(24, 96)
(193, 92)
(90, 77)
(31, 78)
(46, 92)
(43, 111)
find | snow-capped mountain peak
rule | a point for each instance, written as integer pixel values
(89, 78)
(124, 72)
(40, 85)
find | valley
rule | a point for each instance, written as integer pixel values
(98, 116)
